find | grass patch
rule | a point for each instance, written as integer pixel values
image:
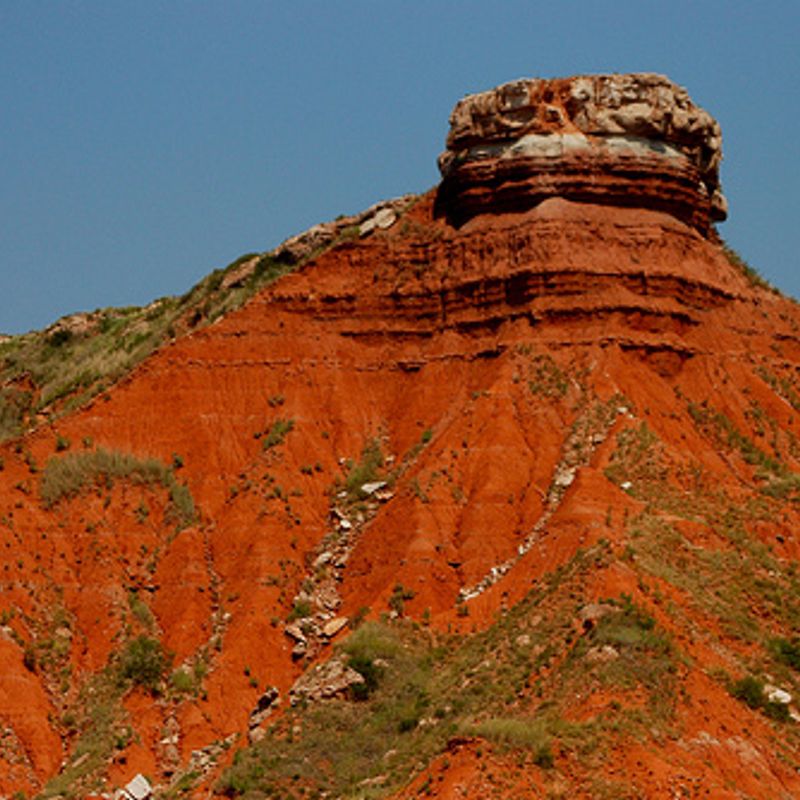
(368, 469)
(637, 458)
(782, 386)
(751, 273)
(532, 734)
(57, 370)
(546, 378)
(98, 720)
(141, 611)
(725, 434)
(422, 688)
(68, 475)
(302, 609)
(101, 726)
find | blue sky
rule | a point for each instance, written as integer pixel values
(143, 144)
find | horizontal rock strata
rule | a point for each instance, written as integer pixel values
(631, 140)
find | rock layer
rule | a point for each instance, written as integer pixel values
(633, 140)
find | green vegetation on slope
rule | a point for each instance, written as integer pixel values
(68, 475)
(98, 720)
(752, 274)
(513, 685)
(59, 369)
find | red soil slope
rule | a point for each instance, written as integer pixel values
(474, 355)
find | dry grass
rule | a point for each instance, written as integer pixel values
(66, 476)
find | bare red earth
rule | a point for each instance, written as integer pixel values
(421, 327)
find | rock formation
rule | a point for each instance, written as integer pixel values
(634, 140)
(566, 424)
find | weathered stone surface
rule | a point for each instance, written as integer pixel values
(327, 680)
(384, 218)
(267, 700)
(379, 216)
(602, 654)
(138, 789)
(633, 140)
(80, 324)
(333, 627)
(372, 487)
(777, 695)
(264, 707)
(238, 275)
(294, 631)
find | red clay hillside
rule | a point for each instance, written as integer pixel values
(493, 494)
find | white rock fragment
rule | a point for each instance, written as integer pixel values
(372, 487)
(383, 219)
(776, 695)
(565, 478)
(333, 627)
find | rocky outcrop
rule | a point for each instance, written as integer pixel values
(537, 384)
(377, 217)
(333, 678)
(634, 140)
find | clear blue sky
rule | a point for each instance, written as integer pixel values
(143, 144)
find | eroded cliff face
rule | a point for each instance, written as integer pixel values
(582, 373)
(634, 140)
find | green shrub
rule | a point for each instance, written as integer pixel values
(398, 599)
(182, 681)
(143, 663)
(366, 471)
(777, 711)
(277, 433)
(300, 610)
(786, 651)
(750, 690)
(60, 337)
(369, 671)
(543, 756)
